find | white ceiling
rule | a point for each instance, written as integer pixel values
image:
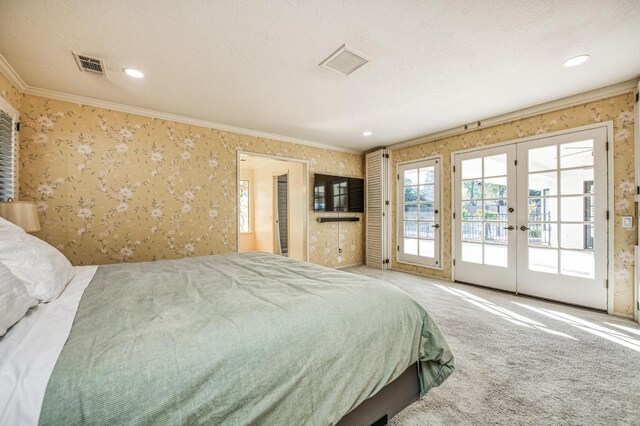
(254, 64)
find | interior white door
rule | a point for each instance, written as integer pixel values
(485, 220)
(562, 218)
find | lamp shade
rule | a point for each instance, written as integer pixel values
(21, 213)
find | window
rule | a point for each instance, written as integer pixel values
(8, 151)
(419, 212)
(243, 193)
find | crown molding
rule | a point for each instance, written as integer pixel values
(22, 87)
(570, 101)
(113, 106)
(11, 74)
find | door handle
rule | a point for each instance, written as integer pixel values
(436, 226)
(510, 227)
(524, 228)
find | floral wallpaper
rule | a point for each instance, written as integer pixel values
(10, 93)
(115, 187)
(619, 109)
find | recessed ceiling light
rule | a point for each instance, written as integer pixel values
(576, 60)
(367, 133)
(133, 73)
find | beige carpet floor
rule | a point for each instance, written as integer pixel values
(523, 361)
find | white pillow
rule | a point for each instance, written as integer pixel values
(43, 270)
(14, 300)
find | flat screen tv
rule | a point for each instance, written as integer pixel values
(338, 194)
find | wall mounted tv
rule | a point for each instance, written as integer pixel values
(338, 194)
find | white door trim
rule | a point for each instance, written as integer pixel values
(239, 153)
(610, 196)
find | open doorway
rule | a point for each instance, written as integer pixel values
(272, 205)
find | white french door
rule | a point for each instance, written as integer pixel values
(531, 217)
(419, 212)
(485, 217)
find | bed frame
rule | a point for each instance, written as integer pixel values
(393, 398)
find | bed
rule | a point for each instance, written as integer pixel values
(243, 338)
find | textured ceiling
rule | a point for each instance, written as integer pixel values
(254, 64)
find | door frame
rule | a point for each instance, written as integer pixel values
(240, 153)
(400, 211)
(276, 213)
(610, 195)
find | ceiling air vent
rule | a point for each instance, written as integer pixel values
(89, 64)
(344, 60)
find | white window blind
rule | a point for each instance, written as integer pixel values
(8, 151)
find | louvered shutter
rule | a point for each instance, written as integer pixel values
(377, 209)
(8, 152)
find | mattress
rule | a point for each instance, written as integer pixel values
(244, 338)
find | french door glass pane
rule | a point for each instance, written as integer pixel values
(576, 209)
(471, 189)
(471, 252)
(411, 194)
(578, 263)
(495, 210)
(410, 229)
(495, 232)
(545, 158)
(411, 246)
(495, 165)
(576, 154)
(427, 175)
(543, 260)
(543, 209)
(410, 211)
(543, 184)
(496, 255)
(576, 181)
(472, 231)
(426, 230)
(543, 235)
(472, 210)
(576, 236)
(472, 169)
(427, 211)
(411, 177)
(495, 187)
(427, 248)
(427, 193)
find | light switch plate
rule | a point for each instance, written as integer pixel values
(627, 222)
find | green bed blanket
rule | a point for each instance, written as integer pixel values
(238, 339)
